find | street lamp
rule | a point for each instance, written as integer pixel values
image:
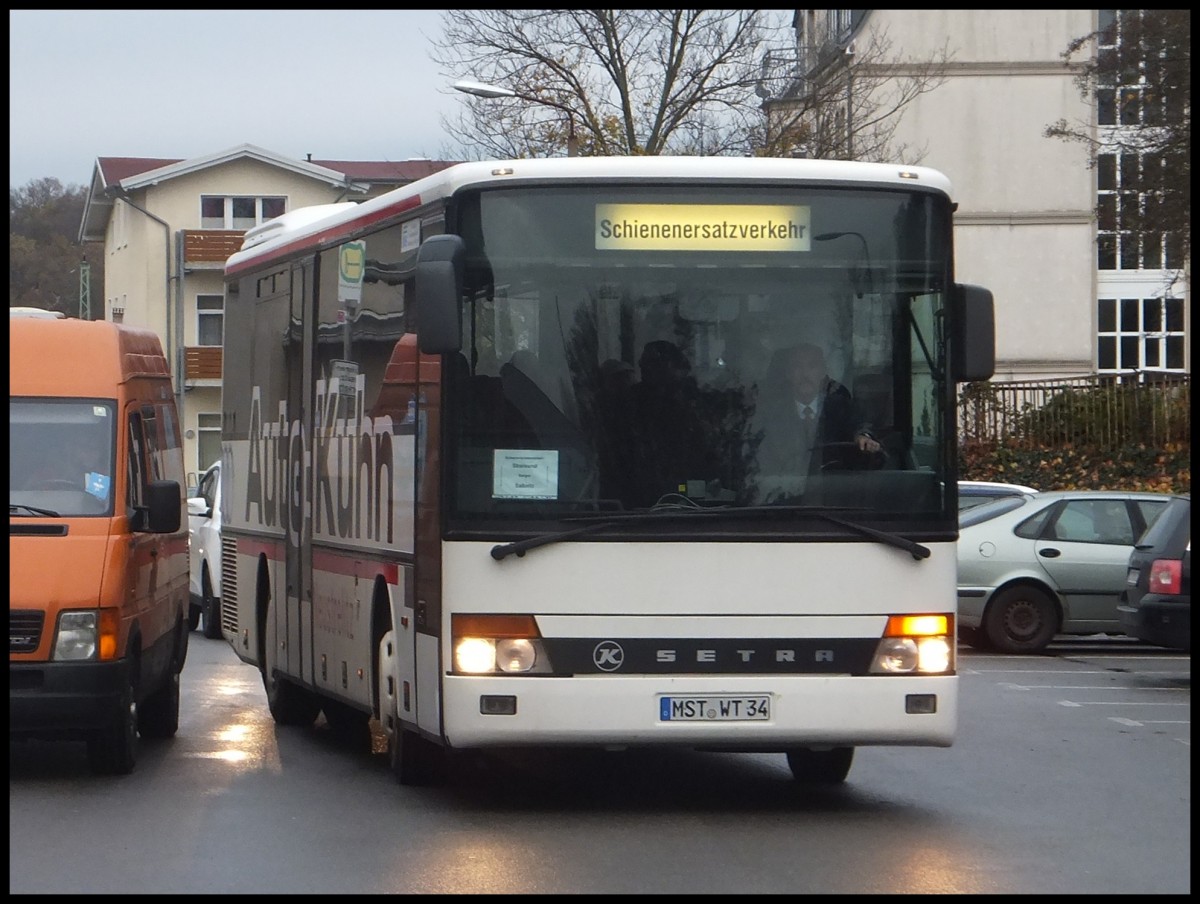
(481, 89)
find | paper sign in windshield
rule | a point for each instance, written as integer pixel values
(525, 474)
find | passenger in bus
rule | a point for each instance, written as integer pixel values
(809, 421)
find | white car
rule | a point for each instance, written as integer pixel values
(204, 551)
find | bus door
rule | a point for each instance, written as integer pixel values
(295, 620)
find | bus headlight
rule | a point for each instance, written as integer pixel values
(491, 644)
(475, 654)
(515, 654)
(916, 644)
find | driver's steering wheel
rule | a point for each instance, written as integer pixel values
(849, 457)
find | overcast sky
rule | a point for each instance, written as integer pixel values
(340, 85)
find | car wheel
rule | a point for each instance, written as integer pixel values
(972, 637)
(210, 608)
(1021, 619)
(193, 617)
(820, 767)
(113, 750)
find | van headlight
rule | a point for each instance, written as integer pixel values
(86, 635)
(78, 636)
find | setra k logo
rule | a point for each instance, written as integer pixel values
(608, 656)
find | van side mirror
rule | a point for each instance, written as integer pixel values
(163, 512)
(441, 263)
(974, 334)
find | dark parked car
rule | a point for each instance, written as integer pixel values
(1156, 604)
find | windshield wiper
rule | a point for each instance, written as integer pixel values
(599, 522)
(19, 508)
(594, 524)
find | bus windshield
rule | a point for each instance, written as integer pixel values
(633, 347)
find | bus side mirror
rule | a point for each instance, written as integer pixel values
(974, 334)
(439, 288)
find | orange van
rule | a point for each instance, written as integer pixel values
(98, 558)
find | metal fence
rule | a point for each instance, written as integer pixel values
(1102, 412)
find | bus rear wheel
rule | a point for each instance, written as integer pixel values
(820, 767)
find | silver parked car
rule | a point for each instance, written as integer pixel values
(1041, 564)
(976, 492)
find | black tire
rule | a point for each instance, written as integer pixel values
(351, 727)
(412, 759)
(113, 750)
(289, 703)
(973, 637)
(158, 716)
(820, 767)
(193, 617)
(415, 760)
(210, 608)
(1020, 619)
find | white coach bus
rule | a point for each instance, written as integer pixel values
(514, 455)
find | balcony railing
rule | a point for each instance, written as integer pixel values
(210, 248)
(202, 362)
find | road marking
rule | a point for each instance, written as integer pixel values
(1133, 723)
(1095, 687)
(1117, 703)
(1086, 687)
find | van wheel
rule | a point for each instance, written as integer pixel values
(159, 715)
(1021, 619)
(820, 767)
(210, 608)
(193, 617)
(113, 750)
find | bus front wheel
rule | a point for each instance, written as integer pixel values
(820, 767)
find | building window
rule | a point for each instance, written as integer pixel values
(210, 319)
(1121, 211)
(238, 211)
(208, 440)
(1140, 334)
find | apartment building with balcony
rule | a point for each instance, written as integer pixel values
(1076, 294)
(168, 225)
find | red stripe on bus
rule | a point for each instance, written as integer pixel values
(271, 549)
(341, 563)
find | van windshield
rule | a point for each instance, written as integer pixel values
(61, 455)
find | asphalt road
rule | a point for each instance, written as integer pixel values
(1071, 774)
